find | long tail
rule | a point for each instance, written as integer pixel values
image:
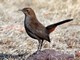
(51, 28)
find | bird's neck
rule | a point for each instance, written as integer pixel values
(30, 17)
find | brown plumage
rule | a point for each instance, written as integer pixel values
(35, 29)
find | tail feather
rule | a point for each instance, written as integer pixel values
(51, 28)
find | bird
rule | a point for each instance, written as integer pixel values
(35, 29)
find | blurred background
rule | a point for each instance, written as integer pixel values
(14, 39)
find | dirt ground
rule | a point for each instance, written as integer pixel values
(13, 38)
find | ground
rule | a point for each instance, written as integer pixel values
(13, 38)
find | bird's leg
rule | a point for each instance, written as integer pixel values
(40, 45)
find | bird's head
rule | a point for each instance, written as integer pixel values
(28, 11)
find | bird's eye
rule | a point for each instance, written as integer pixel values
(28, 10)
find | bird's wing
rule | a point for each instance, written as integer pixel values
(39, 30)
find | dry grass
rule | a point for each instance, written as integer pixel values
(13, 38)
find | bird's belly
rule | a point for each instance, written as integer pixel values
(32, 35)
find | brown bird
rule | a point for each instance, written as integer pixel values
(35, 29)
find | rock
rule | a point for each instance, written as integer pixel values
(50, 55)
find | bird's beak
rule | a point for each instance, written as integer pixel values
(20, 10)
